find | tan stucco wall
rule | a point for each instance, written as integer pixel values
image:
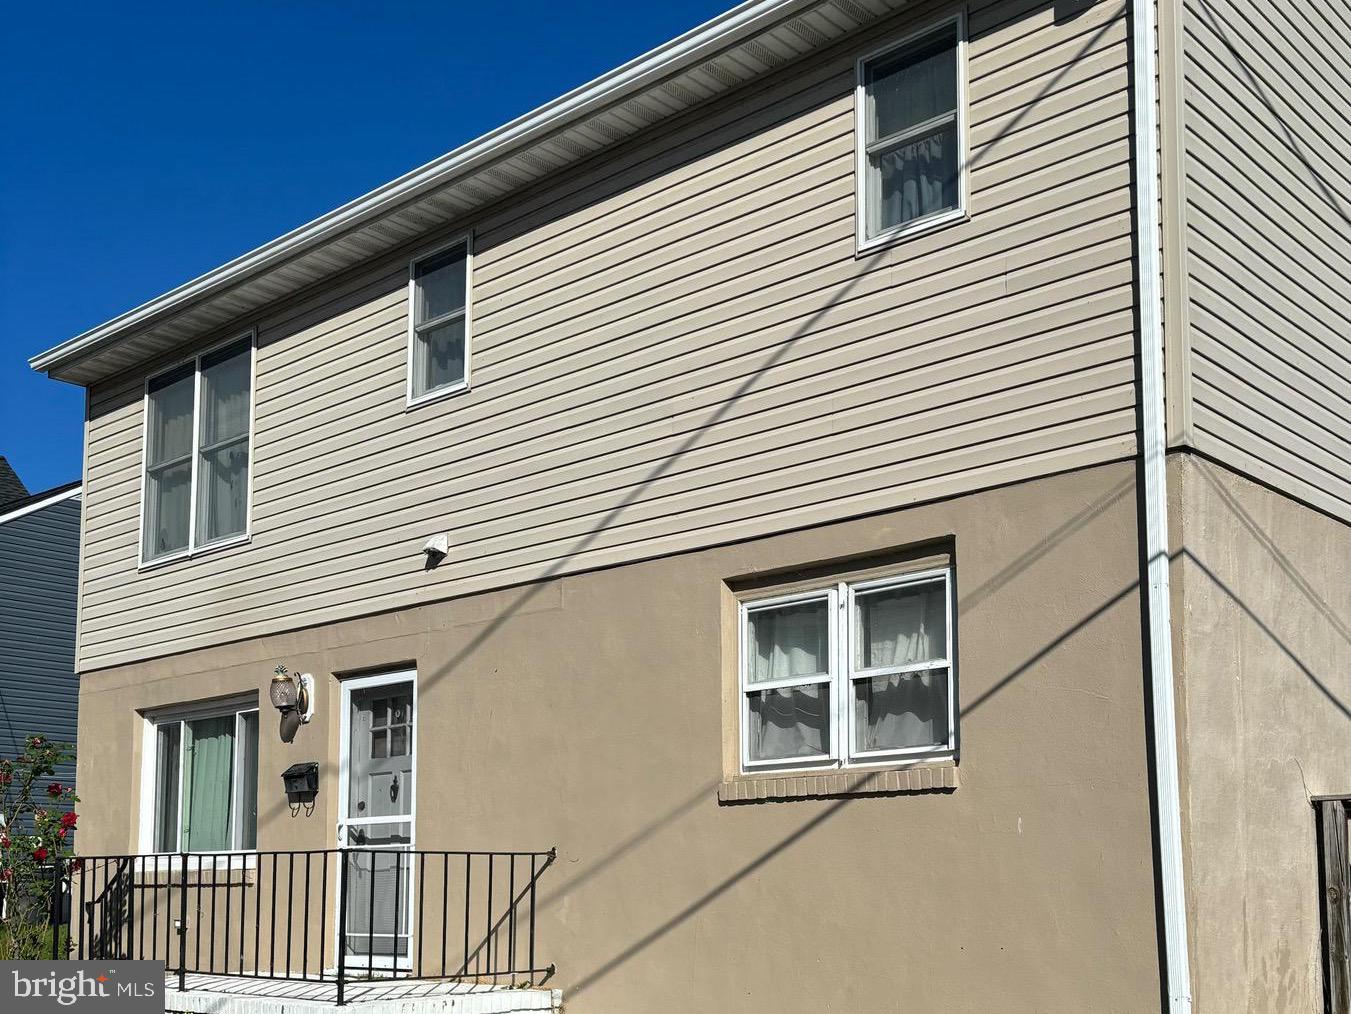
(588, 713)
(1264, 686)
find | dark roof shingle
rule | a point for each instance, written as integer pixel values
(11, 486)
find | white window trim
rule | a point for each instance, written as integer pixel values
(193, 550)
(863, 242)
(840, 597)
(151, 721)
(410, 399)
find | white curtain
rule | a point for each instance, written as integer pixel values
(915, 179)
(897, 627)
(912, 85)
(438, 352)
(900, 626)
(790, 722)
(916, 85)
(222, 497)
(790, 641)
(171, 418)
(169, 464)
(438, 356)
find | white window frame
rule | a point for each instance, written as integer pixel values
(840, 599)
(193, 548)
(938, 220)
(414, 326)
(152, 721)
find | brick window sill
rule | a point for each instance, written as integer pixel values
(929, 776)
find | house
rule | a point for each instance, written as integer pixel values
(39, 568)
(865, 482)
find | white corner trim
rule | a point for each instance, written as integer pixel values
(1154, 449)
(70, 494)
(698, 44)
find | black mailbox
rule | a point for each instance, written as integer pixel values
(302, 782)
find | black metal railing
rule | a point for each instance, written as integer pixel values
(320, 915)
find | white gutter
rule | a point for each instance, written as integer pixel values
(693, 47)
(1158, 604)
(68, 494)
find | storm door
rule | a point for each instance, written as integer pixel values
(377, 817)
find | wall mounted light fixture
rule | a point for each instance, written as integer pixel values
(292, 694)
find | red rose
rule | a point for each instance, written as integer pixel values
(54, 789)
(69, 818)
(40, 853)
(6, 875)
(61, 833)
(4, 841)
(75, 865)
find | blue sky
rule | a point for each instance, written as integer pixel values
(143, 144)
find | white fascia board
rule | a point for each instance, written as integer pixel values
(694, 46)
(69, 494)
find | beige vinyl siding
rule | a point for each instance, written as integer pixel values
(676, 347)
(1267, 121)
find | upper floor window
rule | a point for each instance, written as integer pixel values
(910, 135)
(197, 436)
(848, 674)
(438, 323)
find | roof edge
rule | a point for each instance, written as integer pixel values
(693, 46)
(37, 501)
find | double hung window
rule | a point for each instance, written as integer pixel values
(910, 125)
(438, 323)
(197, 452)
(849, 674)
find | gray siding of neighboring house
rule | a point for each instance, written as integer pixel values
(1266, 130)
(675, 347)
(39, 558)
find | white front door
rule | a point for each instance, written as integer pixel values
(376, 816)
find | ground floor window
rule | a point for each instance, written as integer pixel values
(206, 780)
(848, 673)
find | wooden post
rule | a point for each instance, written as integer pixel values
(1336, 904)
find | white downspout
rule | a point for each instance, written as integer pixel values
(1149, 239)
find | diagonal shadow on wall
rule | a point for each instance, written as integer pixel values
(613, 515)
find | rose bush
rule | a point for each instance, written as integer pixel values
(34, 831)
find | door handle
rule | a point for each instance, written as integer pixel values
(394, 789)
